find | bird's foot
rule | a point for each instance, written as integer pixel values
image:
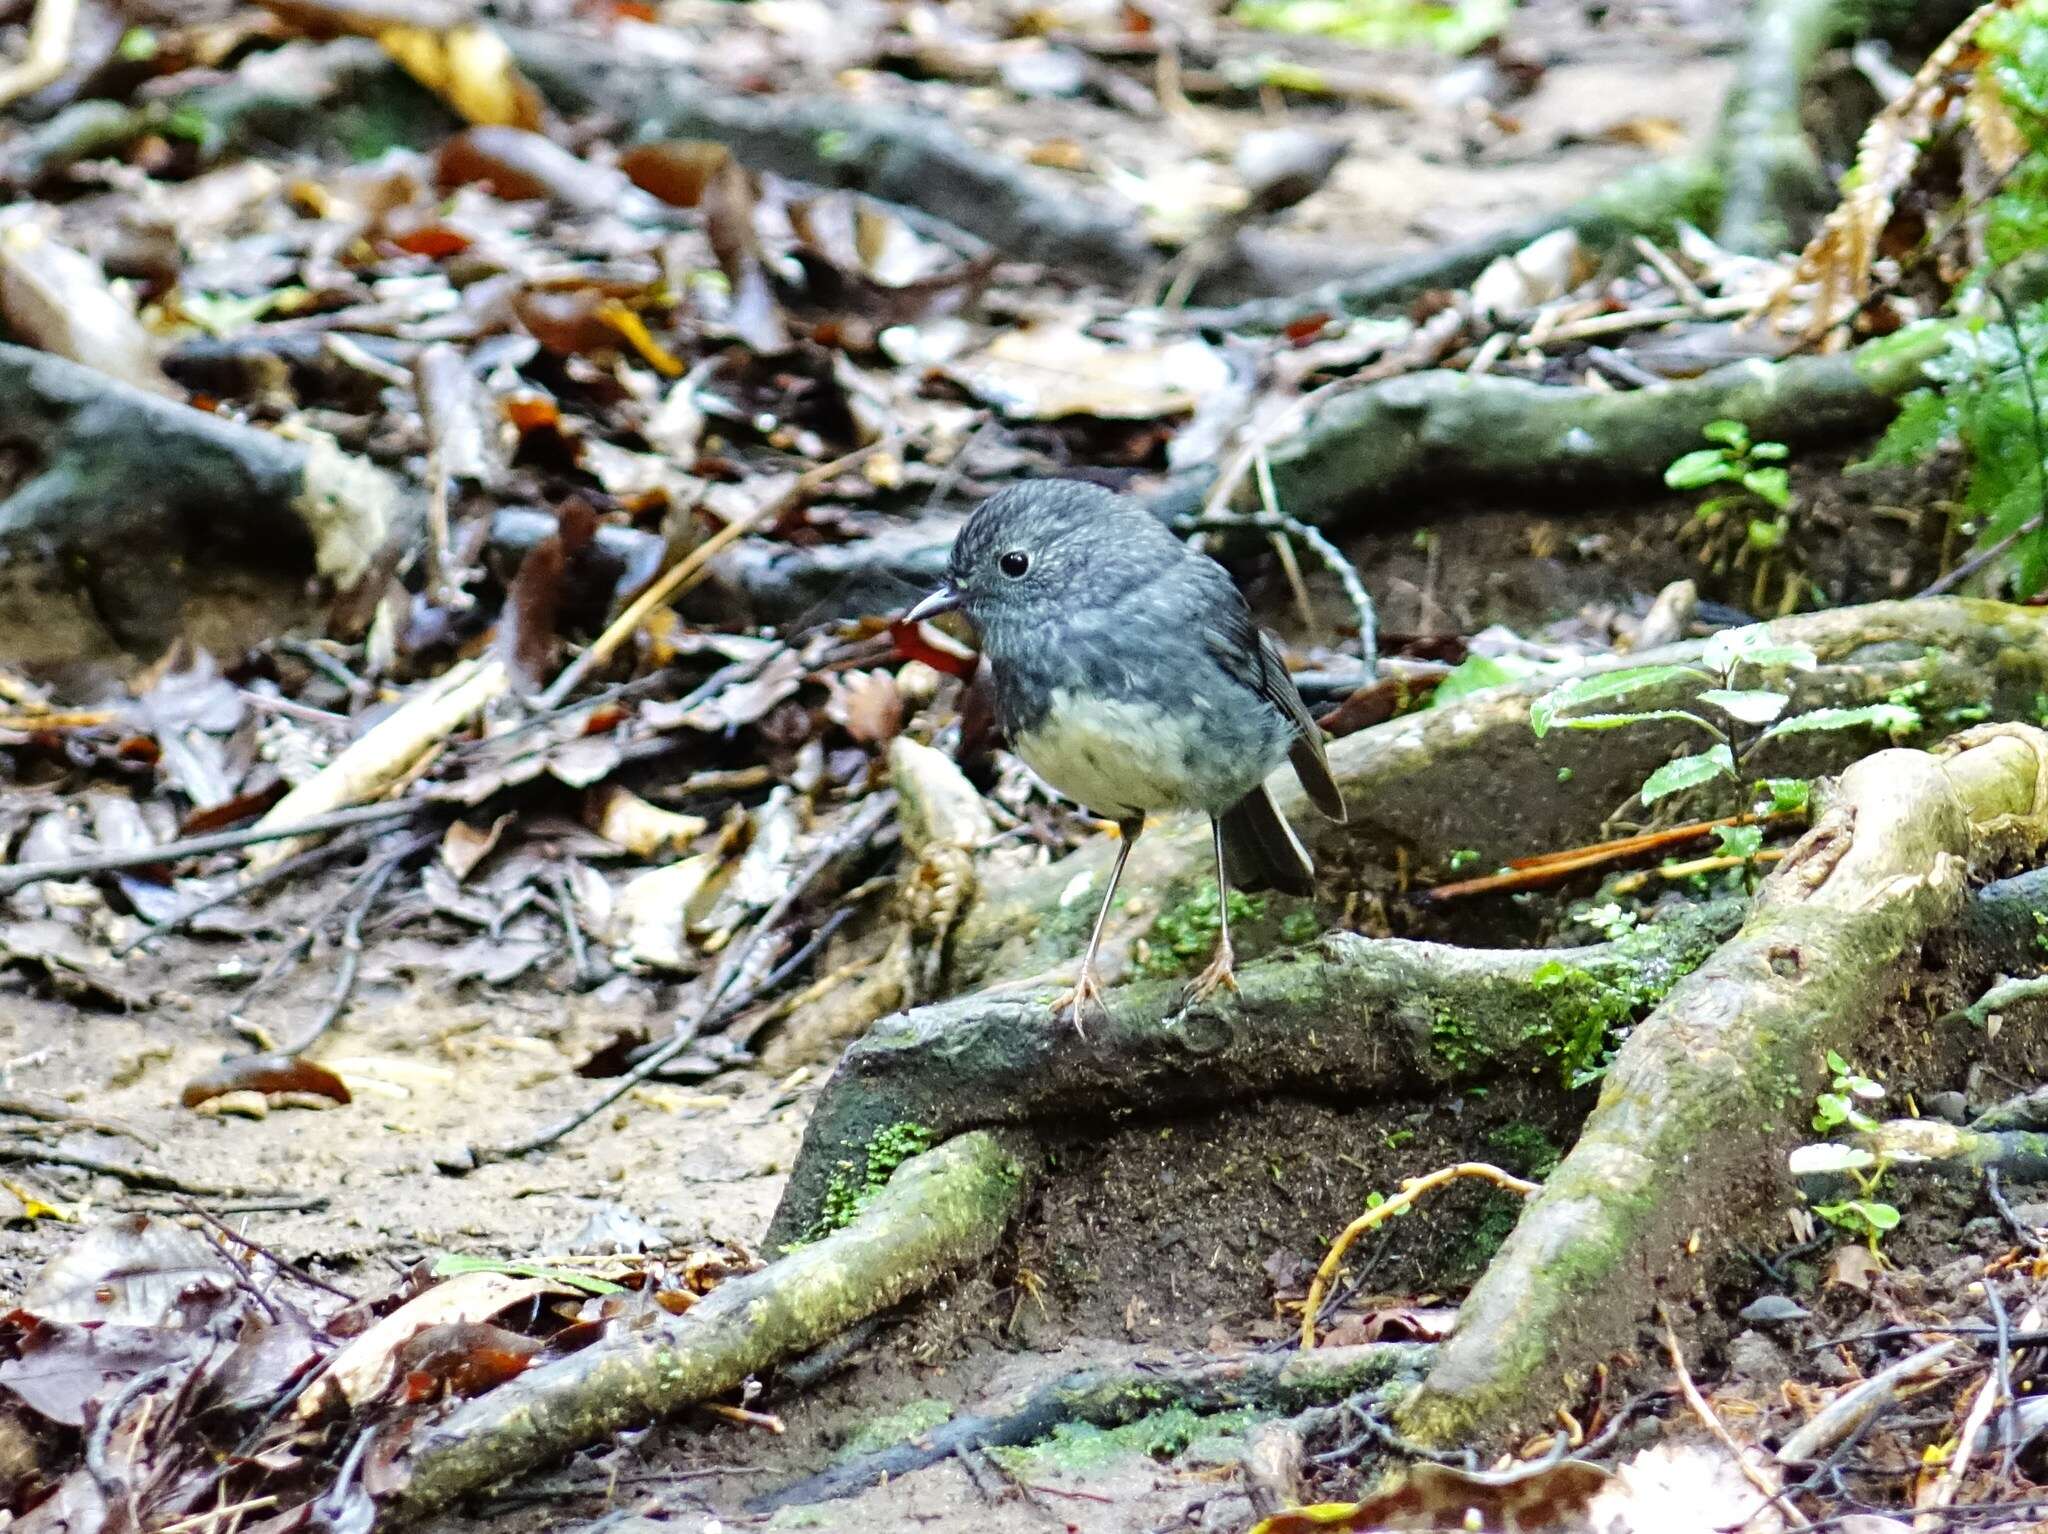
(1085, 998)
(1218, 976)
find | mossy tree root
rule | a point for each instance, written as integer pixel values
(119, 467)
(1465, 776)
(1688, 1143)
(1376, 445)
(1351, 1019)
(1114, 1397)
(942, 1210)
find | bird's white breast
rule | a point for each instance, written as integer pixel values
(1115, 757)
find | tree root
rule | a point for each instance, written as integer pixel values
(1429, 784)
(118, 467)
(1708, 1094)
(1755, 184)
(1355, 1018)
(1447, 428)
(1379, 443)
(1114, 1397)
(941, 1210)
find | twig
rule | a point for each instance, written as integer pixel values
(690, 569)
(44, 1113)
(715, 1007)
(134, 1176)
(282, 1264)
(1858, 1404)
(361, 898)
(1712, 1424)
(2022, 1233)
(1549, 867)
(1333, 559)
(238, 889)
(1373, 1430)
(20, 877)
(1994, 1391)
(50, 32)
(767, 1422)
(572, 931)
(1410, 1191)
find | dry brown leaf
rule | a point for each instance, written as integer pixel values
(1836, 263)
(1045, 372)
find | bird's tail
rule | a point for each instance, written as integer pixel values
(1260, 849)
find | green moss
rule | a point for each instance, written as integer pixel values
(1488, 1233)
(1456, 1041)
(854, 1185)
(1525, 1150)
(895, 1427)
(1078, 1446)
(1185, 934)
(1300, 927)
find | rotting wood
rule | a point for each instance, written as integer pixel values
(942, 1210)
(1709, 1093)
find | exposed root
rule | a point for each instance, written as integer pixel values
(1701, 1104)
(943, 1209)
(1411, 1190)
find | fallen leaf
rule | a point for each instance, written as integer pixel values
(1045, 372)
(268, 1074)
(626, 820)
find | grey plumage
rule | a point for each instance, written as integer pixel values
(1130, 675)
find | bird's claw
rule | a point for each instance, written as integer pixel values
(1220, 975)
(1076, 1004)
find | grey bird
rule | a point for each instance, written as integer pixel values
(1130, 676)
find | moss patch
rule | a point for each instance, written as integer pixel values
(1185, 934)
(898, 1426)
(853, 1186)
(1079, 1447)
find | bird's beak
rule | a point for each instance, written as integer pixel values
(944, 600)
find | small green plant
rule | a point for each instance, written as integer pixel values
(1748, 521)
(1837, 1106)
(1733, 703)
(1187, 932)
(1866, 1219)
(1463, 858)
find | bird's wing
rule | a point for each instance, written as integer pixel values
(1247, 654)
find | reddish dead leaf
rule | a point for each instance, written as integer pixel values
(1376, 703)
(531, 413)
(462, 1358)
(60, 1368)
(919, 641)
(232, 812)
(264, 1073)
(1393, 1324)
(528, 629)
(422, 234)
(678, 171)
(570, 322)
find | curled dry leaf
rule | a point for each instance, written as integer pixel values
(652, 912)
(646, 830)
(1835, 266)
(521, 166)
(266, 1074)
(865, 704)
(464, 845)
(366, 1367)
(460, 1358)
(456, 57)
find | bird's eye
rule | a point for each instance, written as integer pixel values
(1014, 563)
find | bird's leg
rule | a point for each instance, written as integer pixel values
(1087, 991)
(1219, 973)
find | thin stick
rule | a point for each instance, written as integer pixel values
(50, 32)
(1347, 576)
(282, 1264)
(686, 572)
(365, 896)
(1712, 1424)
(714, 1008)
(1411, 1190)
(312, 857)
(12, 879)
(134, 1176)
